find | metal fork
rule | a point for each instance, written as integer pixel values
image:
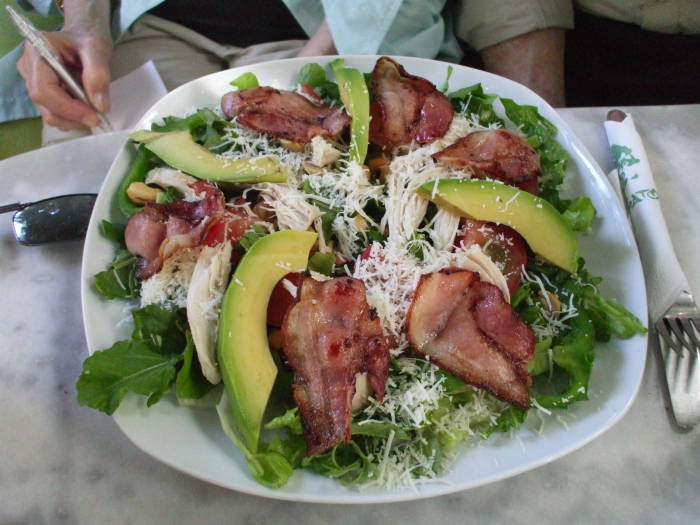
(678, 331)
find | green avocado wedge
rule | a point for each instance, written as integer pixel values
(246, 365)
(540, 224)
(355, 96)
(179, 150)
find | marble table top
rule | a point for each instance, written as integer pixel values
(62, 463)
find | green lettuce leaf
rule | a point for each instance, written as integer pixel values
(473, 101)
(575, 355)
(579, 214)
(245, 81)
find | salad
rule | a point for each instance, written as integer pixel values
(358, 275)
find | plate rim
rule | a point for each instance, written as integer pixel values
(431, 489)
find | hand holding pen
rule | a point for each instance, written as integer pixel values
(67, 72)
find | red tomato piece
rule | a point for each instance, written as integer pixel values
(310, 93)
(232, 226)
(281, 299)
(503, 244)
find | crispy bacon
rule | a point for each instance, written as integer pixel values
(329, 335)
(498, 154)
(284, 114)
(501, 243)
(468, 329)
(159, 230)
(406, 108)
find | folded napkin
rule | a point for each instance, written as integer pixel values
(664, 277)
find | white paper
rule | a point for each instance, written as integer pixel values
(130, 97)
(664, 276)
(133, 94)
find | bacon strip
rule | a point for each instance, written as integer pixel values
(468, 329)
(499, 154)
(329, 335)
(406, 108)
(159, 230)
(284, 114)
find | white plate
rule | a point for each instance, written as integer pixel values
(192, 440)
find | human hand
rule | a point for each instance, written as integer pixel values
(85, 51)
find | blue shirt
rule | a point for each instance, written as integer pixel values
(364, 27)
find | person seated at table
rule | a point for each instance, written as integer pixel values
(615, 52)
(186, 42)
(520, 39)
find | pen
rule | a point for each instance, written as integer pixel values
(46, 51)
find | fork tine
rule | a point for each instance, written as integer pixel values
(662, 329)
(677, 331)
(690, 331)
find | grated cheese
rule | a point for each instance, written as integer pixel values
(170, 285)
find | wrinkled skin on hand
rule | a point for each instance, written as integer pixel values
(85, 48)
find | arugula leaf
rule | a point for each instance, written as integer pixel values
(205, 126)
(161, 328)
(249, 239)
(114, 231)
(268, 466)
(169, 195)
(245, 81)
(119, 281)
(190, 383)
(128, 366)
(312, 75)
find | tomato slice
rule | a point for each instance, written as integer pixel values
(231, 226)
(503, 244)
(281, 299)
(310, 93)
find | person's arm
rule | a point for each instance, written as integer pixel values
(535, 59)
(85, 46)
(321, 43)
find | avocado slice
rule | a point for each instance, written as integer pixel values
(245, 362)
(179, 150)
(540, 224)
(355, 96)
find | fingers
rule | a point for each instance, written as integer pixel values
(46, 90)
(56, 121)
(56, 105)
(95, 53)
